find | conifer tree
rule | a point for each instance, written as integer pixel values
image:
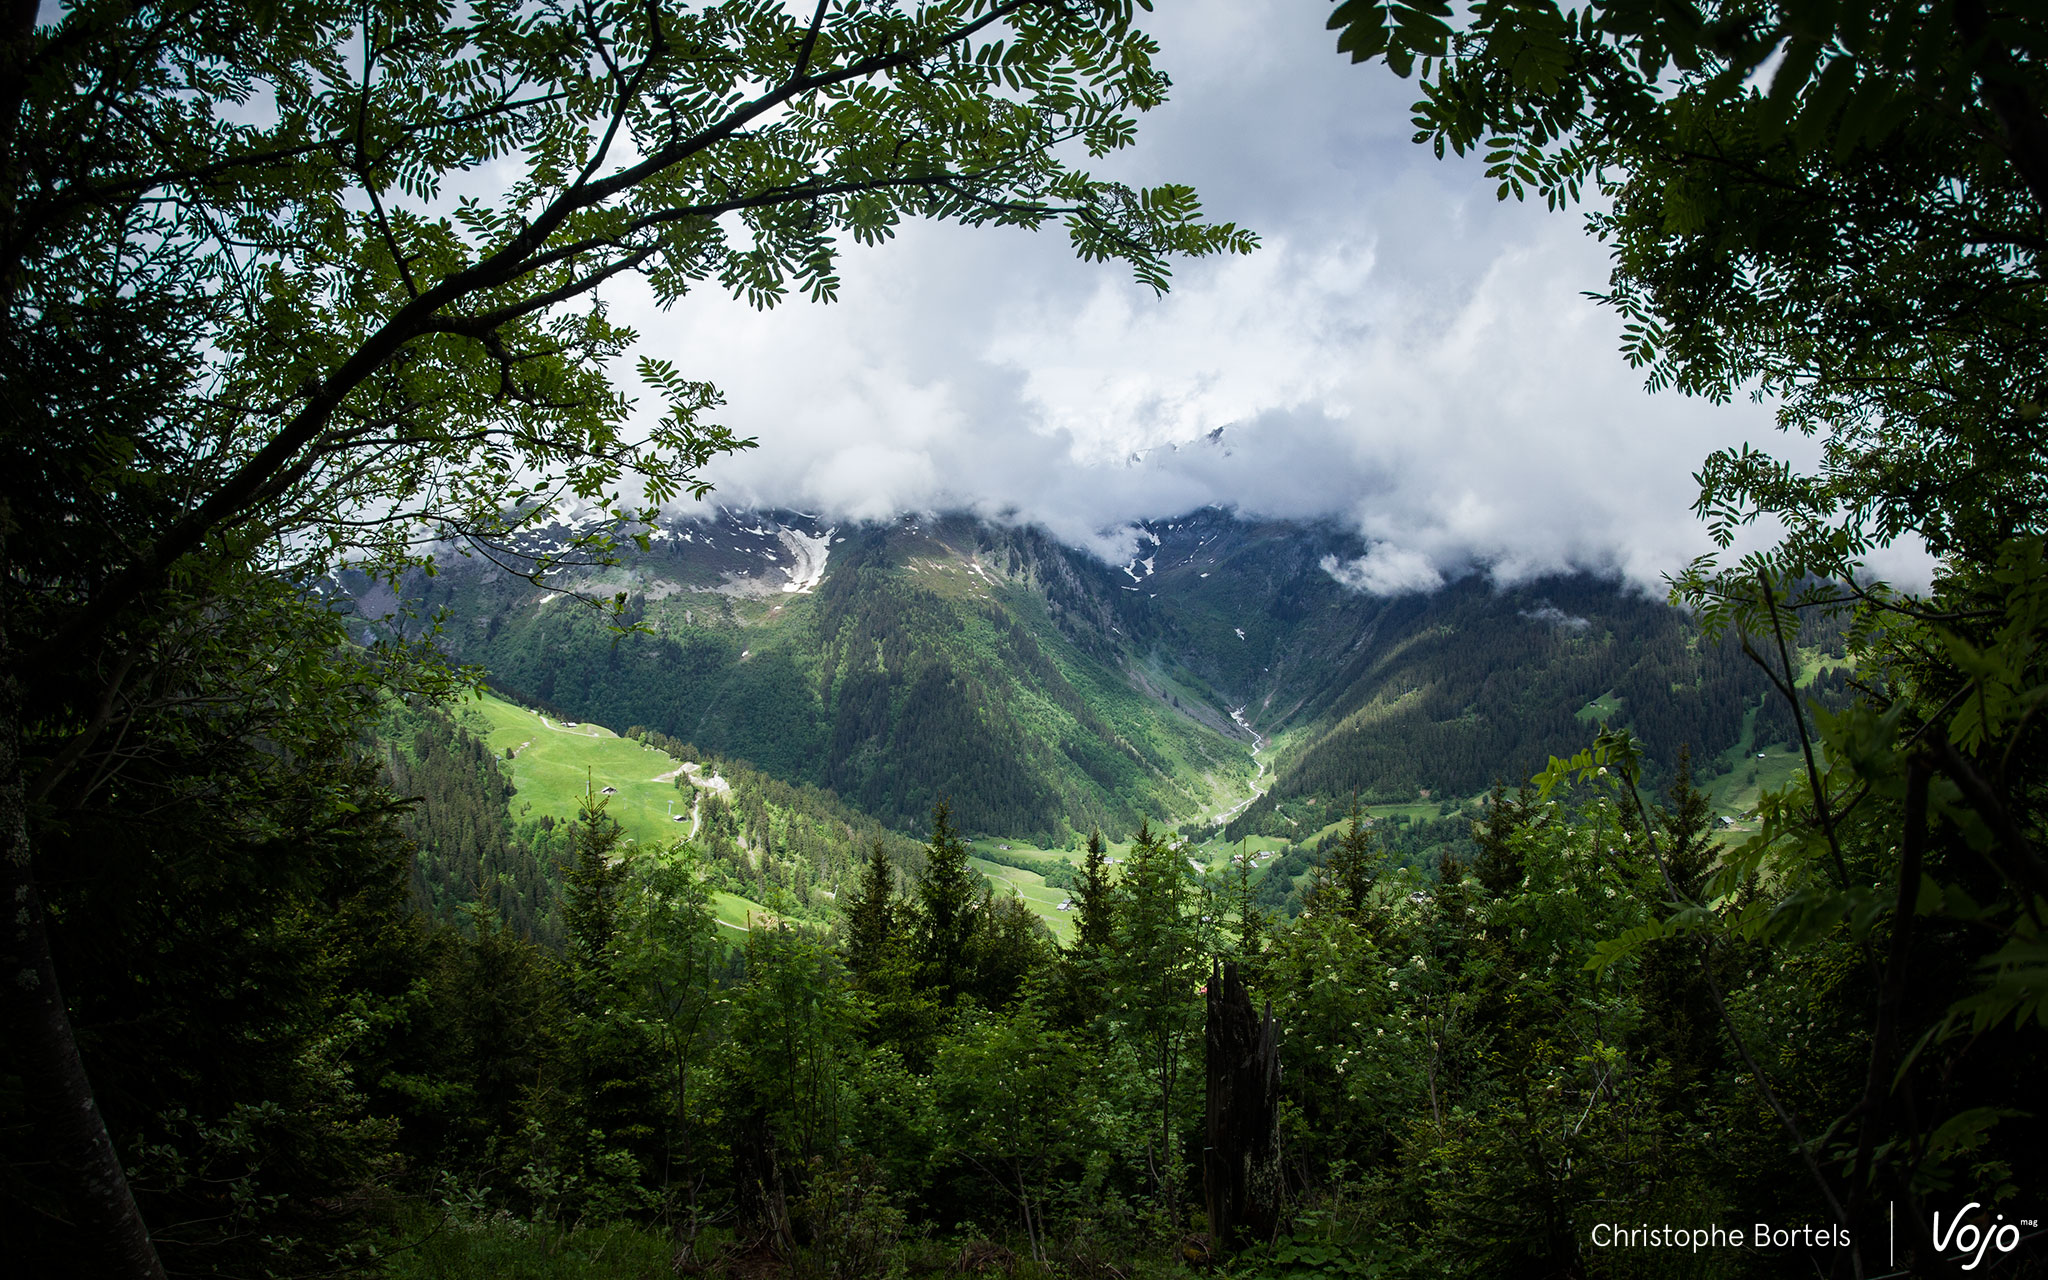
(1687, 850)
(668, 954)
(1092, 900)
(1160, 951)
(590, 883)
(871, 915)
(1243, 899)
(1008, 945)
(1348, 876)
(1499, 865)
(947, 896)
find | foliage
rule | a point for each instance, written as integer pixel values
(787, 1055)
(462, 823)
(1153, 976)
(669, 955)
(1349, 872)
(1839, 209)
(949, 897)
(871, 918)
(503, 1248)
(1477, 1066)
(590, 887)
(1591, 1013)
(1092, 900)
(1013, 1093)
(257, 317)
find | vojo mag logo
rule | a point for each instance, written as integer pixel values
(1957, 1237)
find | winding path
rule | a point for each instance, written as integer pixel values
(698, 786)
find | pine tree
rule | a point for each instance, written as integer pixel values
(1008, 946)
(1688, 851)
(1348, 876)
(871, 915)
(1155, 971)
(590, 883)
(1093, 929)
(947, 896)
(1499, 865)
(1243, 897)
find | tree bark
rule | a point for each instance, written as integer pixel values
(1241, 1162)
(36, 1026)
(761, 1201)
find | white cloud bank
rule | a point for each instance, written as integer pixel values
(1385, 570)
(1404, 353)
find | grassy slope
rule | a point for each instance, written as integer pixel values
(1043, 899)
(554, 763)
(1749, 768)
(1600, 710)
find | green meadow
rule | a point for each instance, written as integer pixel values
(1042, 898)
(553, 763)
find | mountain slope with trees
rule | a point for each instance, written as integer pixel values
(919, 668)
(1044, 692)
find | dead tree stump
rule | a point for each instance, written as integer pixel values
(760, 1202)
(1241, 1163)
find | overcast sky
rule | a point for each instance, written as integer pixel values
(1404, 353)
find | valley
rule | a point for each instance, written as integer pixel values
(1223, 684)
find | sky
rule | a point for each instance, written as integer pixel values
(1404, 353)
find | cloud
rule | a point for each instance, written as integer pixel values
(1386, 570)
(1405, 353)
(1556, 617)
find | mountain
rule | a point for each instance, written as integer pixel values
(1222, 676)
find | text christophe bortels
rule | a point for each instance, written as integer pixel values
(1612, 1235)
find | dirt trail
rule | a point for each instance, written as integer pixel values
(710, 782)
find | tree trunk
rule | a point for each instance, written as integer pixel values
(761, 1201)
(1241, 1162)
(36, 1026)
(683, 1223)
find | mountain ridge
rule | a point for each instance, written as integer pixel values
(1046, 691)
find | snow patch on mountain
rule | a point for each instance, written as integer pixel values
(808, 553)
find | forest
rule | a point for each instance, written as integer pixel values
(294, 987)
